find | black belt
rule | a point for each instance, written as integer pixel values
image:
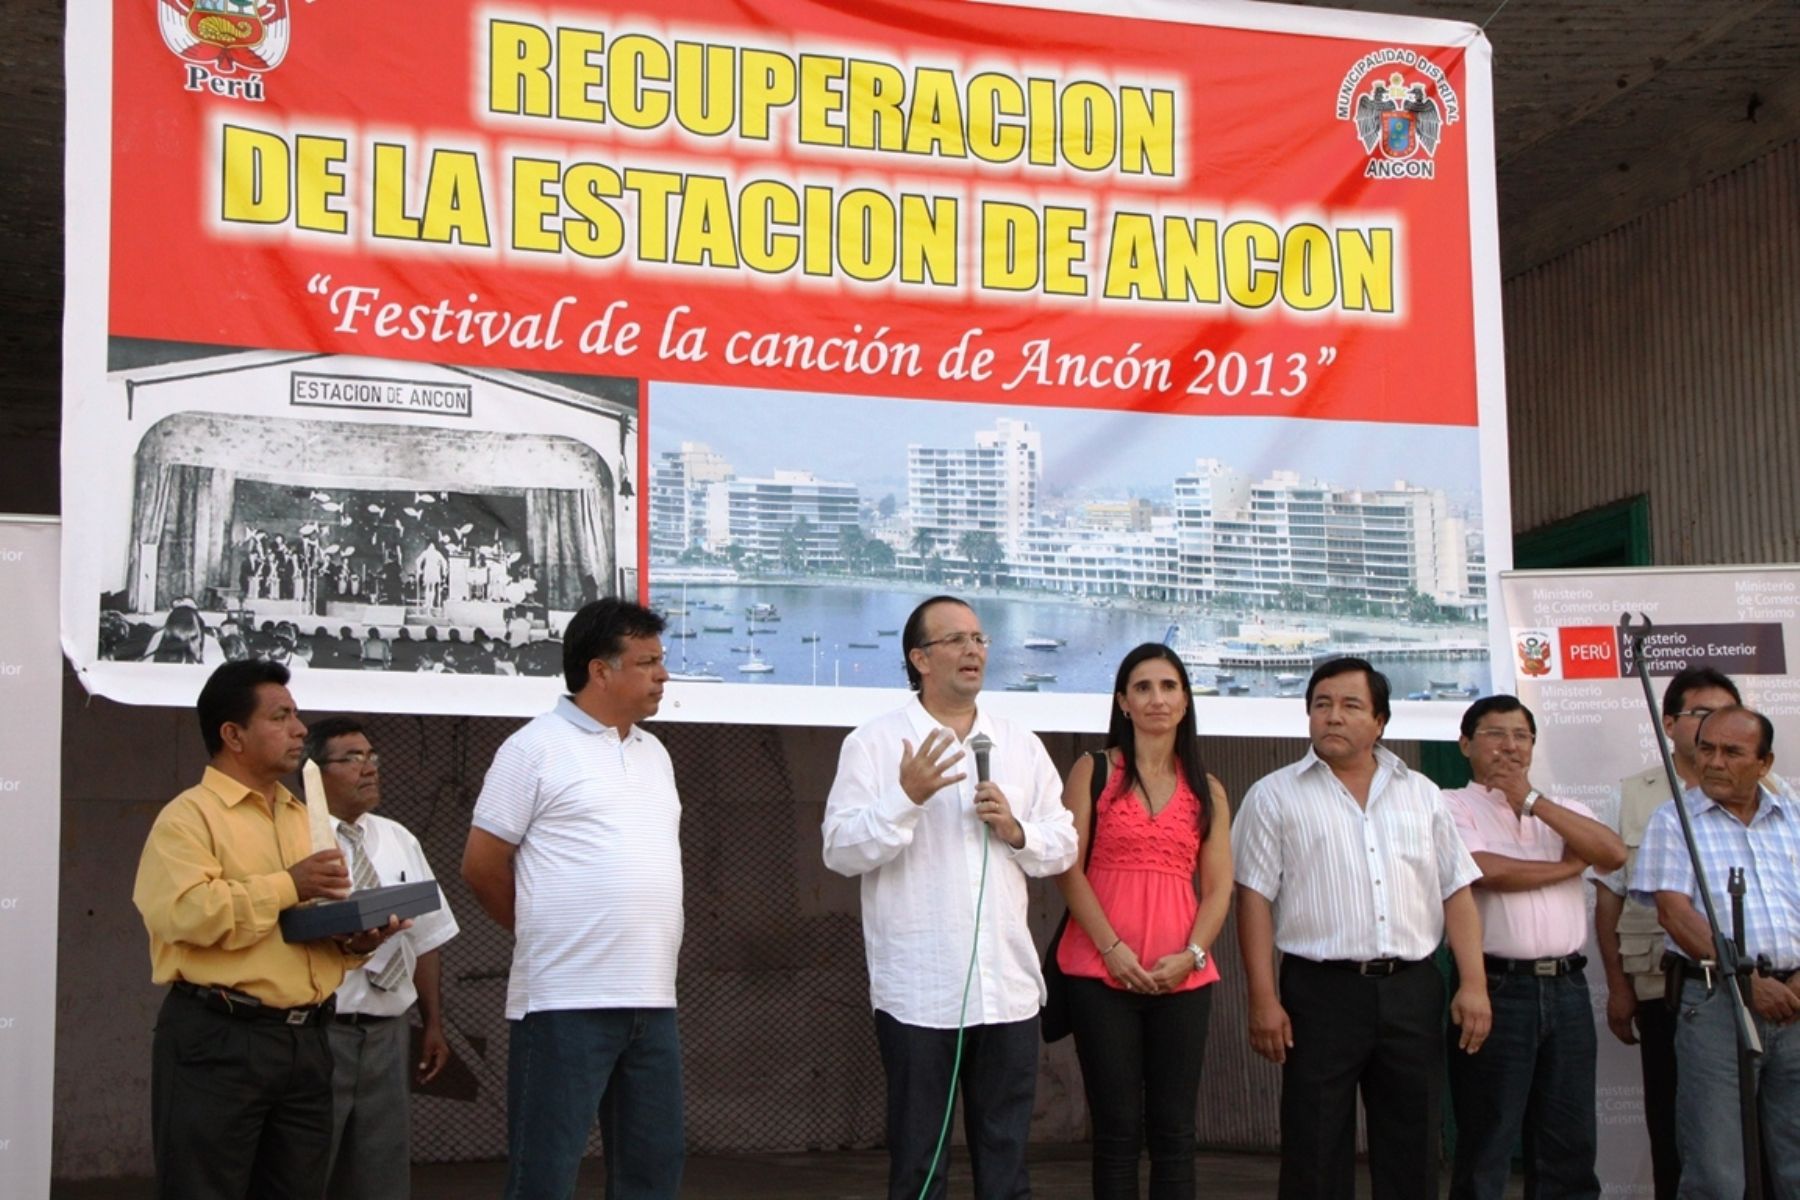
(1566, 965)
(1694, 970)
(349, 1018)
(1374, 966)
(249, 1008)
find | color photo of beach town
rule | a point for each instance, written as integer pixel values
(784, 553)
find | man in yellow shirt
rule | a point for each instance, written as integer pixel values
(240, 1066)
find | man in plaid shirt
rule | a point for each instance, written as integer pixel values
(1739, 821)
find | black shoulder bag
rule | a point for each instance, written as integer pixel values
(1053, 1022)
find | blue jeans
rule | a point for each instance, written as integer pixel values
(1532, 1080)
(623, 1064)
(1706, 1099)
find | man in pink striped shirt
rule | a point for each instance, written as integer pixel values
(1539, 1059)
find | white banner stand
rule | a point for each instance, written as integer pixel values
(30, 845)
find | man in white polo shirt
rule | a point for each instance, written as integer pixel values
(576, 849)
(908, 815)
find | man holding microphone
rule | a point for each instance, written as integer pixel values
(942, 851)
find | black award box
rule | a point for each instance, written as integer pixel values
(367, 909)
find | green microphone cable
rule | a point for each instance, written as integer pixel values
(982, 746)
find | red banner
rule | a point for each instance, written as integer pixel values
(927, 199)
(398, 333)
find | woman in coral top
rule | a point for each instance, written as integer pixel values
(1144, 912)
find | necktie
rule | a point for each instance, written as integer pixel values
(362, 876)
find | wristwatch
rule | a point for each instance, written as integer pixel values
(1531, 799)
(1199, 956)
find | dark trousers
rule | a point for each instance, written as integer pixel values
(1383, 1035)
(1140, 1066)
(999, 1083)
(1656, 1050)
(1533, 1082)
(239, 1109)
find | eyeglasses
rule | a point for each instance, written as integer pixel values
(1697, 713)
(359, 757)
(1518, 737)
(959, 640)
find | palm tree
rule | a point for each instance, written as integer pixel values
(923, 543)
(983, 552)
(852, 546)
(795, 544)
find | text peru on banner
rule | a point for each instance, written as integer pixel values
(1177, 326)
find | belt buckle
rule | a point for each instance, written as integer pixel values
(1376, 966)
(299, 1016)
(1547, 967)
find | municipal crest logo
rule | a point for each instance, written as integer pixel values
(227, 45)
(1535, 651)
(1401, 104)
(1397, 119)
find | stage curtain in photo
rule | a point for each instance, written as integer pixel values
(194, 506)
(149, 510)
(569, 534)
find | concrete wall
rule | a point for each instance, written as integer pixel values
(1664, 359)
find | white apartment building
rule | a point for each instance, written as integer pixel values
(687, 505)
(1476, 585)
(1132, 515)
(765, 514)
(1101, 562)
(1337, 544)
(1211, 487)
(991, 487)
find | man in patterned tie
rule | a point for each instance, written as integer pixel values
(240, 1074)
(370, 1151)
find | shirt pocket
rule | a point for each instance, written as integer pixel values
(1409, 837)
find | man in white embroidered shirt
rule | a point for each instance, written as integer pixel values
(1349, 864)
(908, 815)
(370, 1037)
(576, 849)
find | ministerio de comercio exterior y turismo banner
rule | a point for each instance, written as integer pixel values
(1577, 673)
(393, 341)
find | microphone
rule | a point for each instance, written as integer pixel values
(982, 745)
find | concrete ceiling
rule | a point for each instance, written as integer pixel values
(1605, 109)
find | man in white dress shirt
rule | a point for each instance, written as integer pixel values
(575, 847)
(908, 815)
(371, 1156)
(1349, 864)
